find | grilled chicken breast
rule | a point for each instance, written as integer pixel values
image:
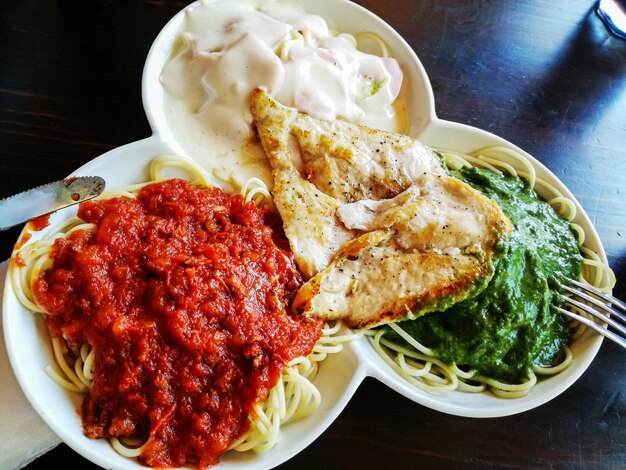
(422, 251)
(377, 226)
(310, 221)
(317, 165)
(311, 225)
(345, 161)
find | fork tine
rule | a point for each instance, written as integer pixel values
(594, 326)
(595, 313)
(595, 301)
(594, 290)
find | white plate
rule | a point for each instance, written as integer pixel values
(27, 340)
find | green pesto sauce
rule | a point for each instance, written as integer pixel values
(509, 326)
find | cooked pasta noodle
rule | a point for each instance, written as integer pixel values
(253, 189)
(419, 366)
(293, 397)
(359, 38)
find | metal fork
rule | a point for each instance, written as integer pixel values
(602, 306)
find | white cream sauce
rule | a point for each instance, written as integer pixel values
(226, 49)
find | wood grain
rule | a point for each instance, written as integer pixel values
(544, 75)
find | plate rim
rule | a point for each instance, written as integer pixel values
(363, 367)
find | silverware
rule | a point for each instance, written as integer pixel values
(48, 198)
(604, 307)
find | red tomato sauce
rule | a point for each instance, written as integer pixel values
(39, 223)
(34, 225)
(183, 294)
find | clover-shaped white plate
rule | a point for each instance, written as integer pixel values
(27, 339)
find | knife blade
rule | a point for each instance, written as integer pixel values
(48, 198)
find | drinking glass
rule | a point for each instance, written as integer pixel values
(613, 14)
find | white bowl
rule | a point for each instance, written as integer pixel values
(27, 339)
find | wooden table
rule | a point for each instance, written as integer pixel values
(544, 75)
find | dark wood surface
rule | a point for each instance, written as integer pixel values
(543, 74)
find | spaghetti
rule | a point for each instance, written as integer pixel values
(286, 394)
(419, 365)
